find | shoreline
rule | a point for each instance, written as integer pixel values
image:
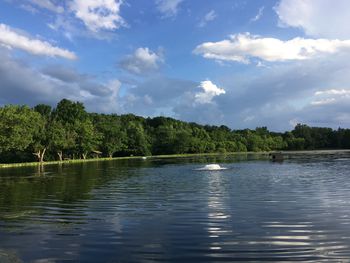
(28, 164)
(75, 161)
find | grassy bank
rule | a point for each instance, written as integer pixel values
(8, 165)
(163, 156)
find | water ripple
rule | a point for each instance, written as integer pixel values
(154, 211)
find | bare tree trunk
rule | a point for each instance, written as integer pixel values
(110, 155)
(60, 155)
(84, 155)
(40, 155)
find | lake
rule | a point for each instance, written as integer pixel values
(165, 210)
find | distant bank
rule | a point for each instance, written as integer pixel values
(68, 132)
(266, 154)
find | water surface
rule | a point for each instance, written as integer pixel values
(165, 210)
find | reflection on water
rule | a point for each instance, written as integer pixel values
(164, 210)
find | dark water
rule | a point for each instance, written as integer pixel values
(164, 210)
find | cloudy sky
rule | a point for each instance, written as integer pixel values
(241, 63)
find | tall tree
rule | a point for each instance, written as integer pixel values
(18, 125)
(62, 139)
(69, 112)
(113, 137)
(44, 110)
(41, 138)
(138, 143)
(87, 139)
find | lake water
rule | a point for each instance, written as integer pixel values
(165, 210)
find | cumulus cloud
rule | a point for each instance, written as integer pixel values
(99, 14)
(11, 39)
(49, 5)
(330, 96)
(83, 18)
(142, 61)
(209, 91)
(175, 98)
(258, 15)
(168, 8)
(242, 47)
(296, 91)
(210, 16)
(67, 25)
(278, 97)
(319, 18)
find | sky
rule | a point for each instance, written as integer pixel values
(240, 63)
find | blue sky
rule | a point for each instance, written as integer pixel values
(241, 63)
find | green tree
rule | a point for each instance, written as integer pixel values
(113, 137)
(182, 142)
(138, 142)
(164, 138)
(304, 131)
(77, 124)
(44, 110)
(41, 139)
(62, 139)
(69, 112)
(18, 125)
(87, 139)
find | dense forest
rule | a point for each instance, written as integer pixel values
(44, 133)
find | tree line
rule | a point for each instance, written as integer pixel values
(67, 131)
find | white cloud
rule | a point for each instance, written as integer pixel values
(210, 16)
(99, 14)
(47, 4)
(258, 15)
(320, 18)
(143, 60)
(29, 8)
(323, 101)
(278, 97)
(168, 8)
(242, 47)
(210, 90)
(71, 30)
(11, 39)
(330, 96)
(333, 92)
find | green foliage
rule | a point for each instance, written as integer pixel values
(137, 140)
(69, 131)
(112, 137)
(61, 138)
(87, 139)
(318, 138)
(18, 127)
(44, 110)
(69, 112)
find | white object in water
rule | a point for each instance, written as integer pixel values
(211, 167)
(144, 158)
